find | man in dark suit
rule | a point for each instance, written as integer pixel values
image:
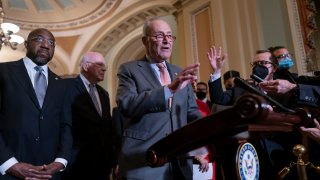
(156, 98)
(93, 155)
(35, 121)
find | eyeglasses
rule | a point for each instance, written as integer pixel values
(160, 37)
(282, 56)
(262, 63)
(41, 40)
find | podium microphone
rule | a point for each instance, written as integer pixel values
(243, 84)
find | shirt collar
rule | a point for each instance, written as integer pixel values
(30, 65)
(153, 62)
(85, 80)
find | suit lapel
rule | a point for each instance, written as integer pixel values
(103, 101)
(19, 70)
(52, 87)
(147, 73)
(173, 74)
(83, 91)
(172, 71)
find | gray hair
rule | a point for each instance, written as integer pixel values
(146, 25)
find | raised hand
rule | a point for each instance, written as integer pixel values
(216, 59)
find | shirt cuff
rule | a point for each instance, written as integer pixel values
(214, 76)
(62, 161)
(8, 164)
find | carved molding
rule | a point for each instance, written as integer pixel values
(106, 9)
(307, 11)
(128, 25)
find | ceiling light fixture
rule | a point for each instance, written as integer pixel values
(7, 30)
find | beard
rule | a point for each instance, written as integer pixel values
(40, 61)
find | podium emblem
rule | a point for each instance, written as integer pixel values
(247, 162)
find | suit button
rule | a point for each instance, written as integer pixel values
(37, 139)
(41, 117)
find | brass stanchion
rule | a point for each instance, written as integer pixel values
(298, 150)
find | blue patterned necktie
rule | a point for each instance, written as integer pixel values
(40, 84)
(94, 98)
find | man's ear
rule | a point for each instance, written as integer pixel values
(85, 66)
(144, 41)
(26, 44)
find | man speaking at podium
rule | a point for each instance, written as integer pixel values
(157, 98)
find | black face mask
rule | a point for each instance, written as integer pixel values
(260, 71)
(201, 95)
(228, 87)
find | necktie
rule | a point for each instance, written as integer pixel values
(40, 84)
(165, 79)
(164, 74)
(94, 98)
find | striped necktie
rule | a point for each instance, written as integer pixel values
(94, 98)
(40, 84)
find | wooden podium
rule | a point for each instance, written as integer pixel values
(247, 120)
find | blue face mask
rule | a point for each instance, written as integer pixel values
(285, 63)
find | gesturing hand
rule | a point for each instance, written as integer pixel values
(204, 163)
(313, 133)
(186, 76)
(215, 58)
(277, 86)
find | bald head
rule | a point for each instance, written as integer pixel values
(93, 67)
(93, 57)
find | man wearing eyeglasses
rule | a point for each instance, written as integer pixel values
(286, 83)
(285, 62)
(35, 121)
(93, 155)
(263, 65)
(156, 98)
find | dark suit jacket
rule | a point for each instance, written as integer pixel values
(93, 155)
(117, 130)
(141, 98)
(285, 74)
(27, 132)
(218, 96)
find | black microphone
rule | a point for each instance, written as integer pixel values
(256, 78)
(243, 84)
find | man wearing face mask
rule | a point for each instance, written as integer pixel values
(201, 93)
(273, 154)
(286, 83)
(263, 66)
(285, 62)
